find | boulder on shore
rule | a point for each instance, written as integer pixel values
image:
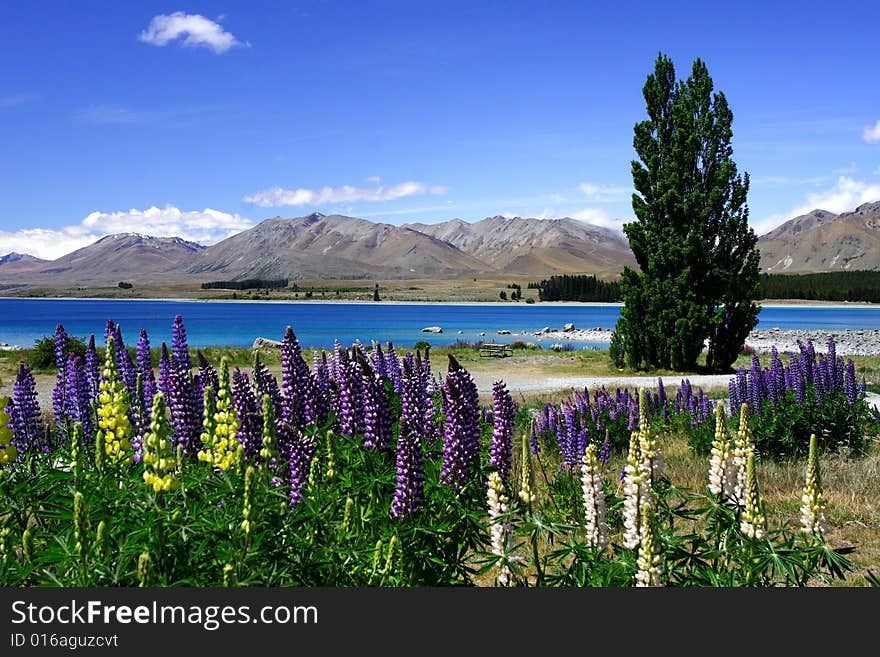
(568, 328)
(503, 332)
(262, 343)
(432, 329)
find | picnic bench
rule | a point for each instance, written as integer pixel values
(491, 350)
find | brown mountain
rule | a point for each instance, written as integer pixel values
(536, 246)
(823, 241)
(332, 246)
(114, 258)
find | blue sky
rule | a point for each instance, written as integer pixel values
(204, 118)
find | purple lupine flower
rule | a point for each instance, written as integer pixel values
(393, 368)
(179, 347)
(605, 452)
(742, 387)
(164, 369)
(302, 450)
(832, 363)
(863, 386)
(185, 417)
(462, 434)
(208, 376)
(429, 430)
(59, 392)
(249, 415)
(798, 379)
(25, 420)
(849, 381)
(661, 392)
(148, 378)
(79, 400)
(350, 419)
(109, 330)
(770, 386)
(409, 490)
(732, 393)
(377, 358)
(501, 449)
(377, 415)
(294, 380)
(318, 409)
(534, 445)
(127, 369)
(410, 486)
(93, 368)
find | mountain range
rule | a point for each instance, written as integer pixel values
(340, 247)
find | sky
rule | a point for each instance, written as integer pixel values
(201, 119)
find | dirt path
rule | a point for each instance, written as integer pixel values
(517, 383)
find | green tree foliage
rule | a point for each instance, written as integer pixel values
(247, 284)
(859, 285)
(697, 255)
(577, 288)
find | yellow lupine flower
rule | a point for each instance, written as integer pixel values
(113, 413)
(8, 452)
(812, 500)
(220, 442)
(158, 456)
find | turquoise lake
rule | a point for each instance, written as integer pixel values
(319, 324)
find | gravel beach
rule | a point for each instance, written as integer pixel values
(849, 342)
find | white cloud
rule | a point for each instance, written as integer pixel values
(604, 193)
(277, 196)
(195, 29)
(846, 195)
(871, 133)
(206, 227)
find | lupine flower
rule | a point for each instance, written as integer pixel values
(124, 364)
(849, 381)
(164, 369)
(753, 523)
(79, 406)
(221, 446)
(158, 457)
(114, 426)
(527, 485)
(250, 487)
(59, 392)
(605, 453)
(350, 420)
(377, 416)
(294, 383)
(649, 562)
(722, 472)
(593, 487)
(500, 451)
(499, 525)
(265, 383)
(80, 523)
(25, 415)
(250, 424)
(649, 449)
(633, 478)
(8, 451)
(145, 369)
(93, 375)
(812, 500)
(302, 452)
(179, 347)
(409, 490)
(462, 432)
(208, 374)
(318, 407)
(267, 450)
(743, 446)
(186, 410)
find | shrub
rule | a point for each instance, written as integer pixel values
(42, 356)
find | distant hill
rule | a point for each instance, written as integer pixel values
(536, 246)
(823, 241)
(335, 246)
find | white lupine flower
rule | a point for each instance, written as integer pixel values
(753, 523)
(499, 528)
(592, 484)
(743, 446)
(649, 562)
(722, 472)
(633, 487)
(652, 457)
(526, 493)
(812, 501)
